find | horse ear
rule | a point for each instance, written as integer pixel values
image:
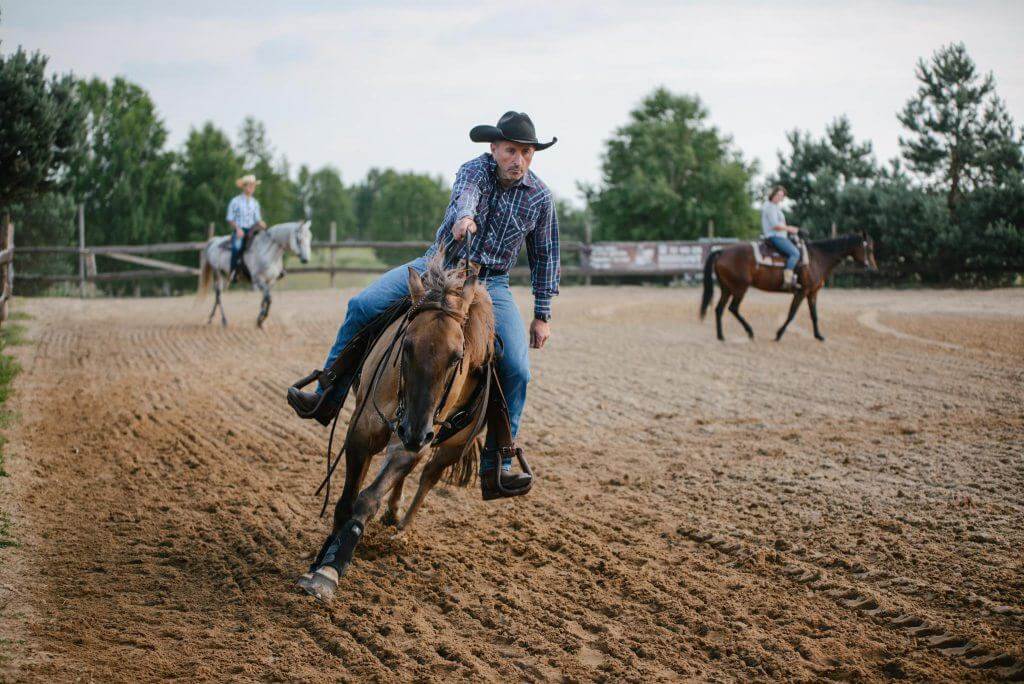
(468, 293)
(416, 288)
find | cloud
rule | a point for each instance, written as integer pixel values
(400, 84)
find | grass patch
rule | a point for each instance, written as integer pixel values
(10, 334)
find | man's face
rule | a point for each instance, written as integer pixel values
(249, 188)
(779, 196)
(513, 159)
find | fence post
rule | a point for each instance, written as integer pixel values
(210, 229)
(81, 249)
(330, 250)
(8, 268)
(711, 228)
(585, 253)
(835, 232)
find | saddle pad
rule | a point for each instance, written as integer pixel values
(766, 255)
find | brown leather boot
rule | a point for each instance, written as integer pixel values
(509, 485)
(305, 403)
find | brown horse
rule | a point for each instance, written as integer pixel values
(421, 371)
(737, 270)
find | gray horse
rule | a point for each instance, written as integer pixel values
(265, 259)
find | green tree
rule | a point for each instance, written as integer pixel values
(126, 179)
(208, 167)
(327, 199)
(41, 127)
(399, 206)
(959, 135)
(668, 172)
(277, 193)
(816, 172)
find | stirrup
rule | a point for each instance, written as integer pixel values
(523, 464)
(320, 375)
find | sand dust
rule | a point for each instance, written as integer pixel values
(747, 510)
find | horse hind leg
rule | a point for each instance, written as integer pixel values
(719, 309)
(734, 308)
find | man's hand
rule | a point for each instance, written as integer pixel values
(462, 226)
(239, 232)
(540, 331)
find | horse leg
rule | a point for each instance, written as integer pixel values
(322, 578)
(734, 307)
(216, 303)
(338, 553)
(428, 478)
(719, 308)
(264, 305)
(812, 304)
(793, 306)
(390, 515)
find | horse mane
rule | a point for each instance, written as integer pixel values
(838, 245)
(444, 289)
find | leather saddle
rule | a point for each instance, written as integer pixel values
(766, 255)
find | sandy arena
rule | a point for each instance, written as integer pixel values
(850, 510)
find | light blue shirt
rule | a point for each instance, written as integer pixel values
(244, 211)
(771, 216)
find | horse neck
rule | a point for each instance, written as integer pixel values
(278, 239)
(833, 251)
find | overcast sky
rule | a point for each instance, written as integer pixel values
(399, 84)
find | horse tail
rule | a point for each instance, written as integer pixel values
(205, 273)
(461, 471)
(709, 283)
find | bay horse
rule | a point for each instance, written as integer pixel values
(264, 259)
(423, 369)
(737, 270)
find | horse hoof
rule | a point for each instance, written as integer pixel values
(819, 338)
(389, 519)
(320, 584)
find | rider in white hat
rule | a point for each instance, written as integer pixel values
(243, 216)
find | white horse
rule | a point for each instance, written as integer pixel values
(264, 258)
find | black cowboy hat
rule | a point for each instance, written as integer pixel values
(512, 126)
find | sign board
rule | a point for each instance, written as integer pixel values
(646, 257)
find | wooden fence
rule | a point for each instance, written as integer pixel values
(596, 259)
(6, 267)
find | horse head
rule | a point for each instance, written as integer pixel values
(864, 253)
(438, 343)
(300, 240)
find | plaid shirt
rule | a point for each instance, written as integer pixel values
(244, 211)
(505, 219)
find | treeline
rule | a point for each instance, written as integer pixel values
(949, 209)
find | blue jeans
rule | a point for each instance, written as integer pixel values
(786, 246)
(514, 366)
(236, 245)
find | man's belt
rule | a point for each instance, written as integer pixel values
(488, 272)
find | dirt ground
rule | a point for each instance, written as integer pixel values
(749, 510)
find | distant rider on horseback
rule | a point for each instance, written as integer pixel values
(773, 225)
(243, 217)
(504, 205)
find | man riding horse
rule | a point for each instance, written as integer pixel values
(243, 217)
(503, 204)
